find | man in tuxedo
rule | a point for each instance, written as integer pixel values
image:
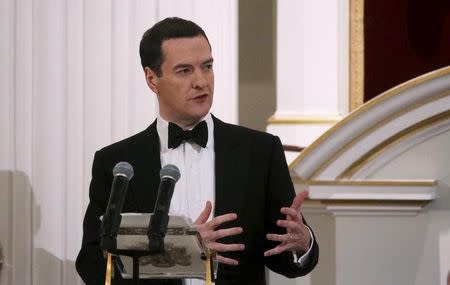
(256, 218)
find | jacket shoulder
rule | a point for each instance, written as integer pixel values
(129, 142)
(244, 133)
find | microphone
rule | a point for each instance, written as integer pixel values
(122, 172)
(157, 227)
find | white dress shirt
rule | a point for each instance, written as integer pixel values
(197, 181)
(196, 164)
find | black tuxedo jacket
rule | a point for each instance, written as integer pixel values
(252, 180)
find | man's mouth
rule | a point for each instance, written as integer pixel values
(200, 97)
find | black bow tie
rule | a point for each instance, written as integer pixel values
(177, 135)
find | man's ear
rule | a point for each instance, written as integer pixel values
(152, 79)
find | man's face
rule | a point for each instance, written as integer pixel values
(186, 85)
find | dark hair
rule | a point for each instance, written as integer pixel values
(150, 48)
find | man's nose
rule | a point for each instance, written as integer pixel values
(199, 80)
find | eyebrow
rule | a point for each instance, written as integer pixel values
(185, 65)
(210, 60)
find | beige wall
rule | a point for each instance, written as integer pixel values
(257, 38)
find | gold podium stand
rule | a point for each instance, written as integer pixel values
(209, 268)
(184, 256)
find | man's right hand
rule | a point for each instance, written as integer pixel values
(210, 235)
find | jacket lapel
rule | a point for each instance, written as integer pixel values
(230, 169)
(147, 164)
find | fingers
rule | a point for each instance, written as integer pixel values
(226, 260)
(210, 235)
(204, 215)
(293, 226)
(217, 221)
(290, 241)
(224, 233)
(292, 215)
(278, 249)
(298, 200)
(276, 237)
(295, 237)
(222, 247)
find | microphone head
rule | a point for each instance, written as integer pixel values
(123, 168)
(170, 171)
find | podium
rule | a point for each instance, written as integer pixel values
(184, 256)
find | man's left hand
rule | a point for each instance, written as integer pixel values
(297, 238)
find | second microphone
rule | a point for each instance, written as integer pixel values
(159, 220)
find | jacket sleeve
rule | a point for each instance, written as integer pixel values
(280, 193)
(90, 263)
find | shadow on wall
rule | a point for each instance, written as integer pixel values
(20, 220)
(49, 269)
(16, 227)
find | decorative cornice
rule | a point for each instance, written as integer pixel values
(392, 183)
(379, 209)
(368, 197)
(303, 120)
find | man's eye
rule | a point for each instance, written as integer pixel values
(208, 66)
(183, 71)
